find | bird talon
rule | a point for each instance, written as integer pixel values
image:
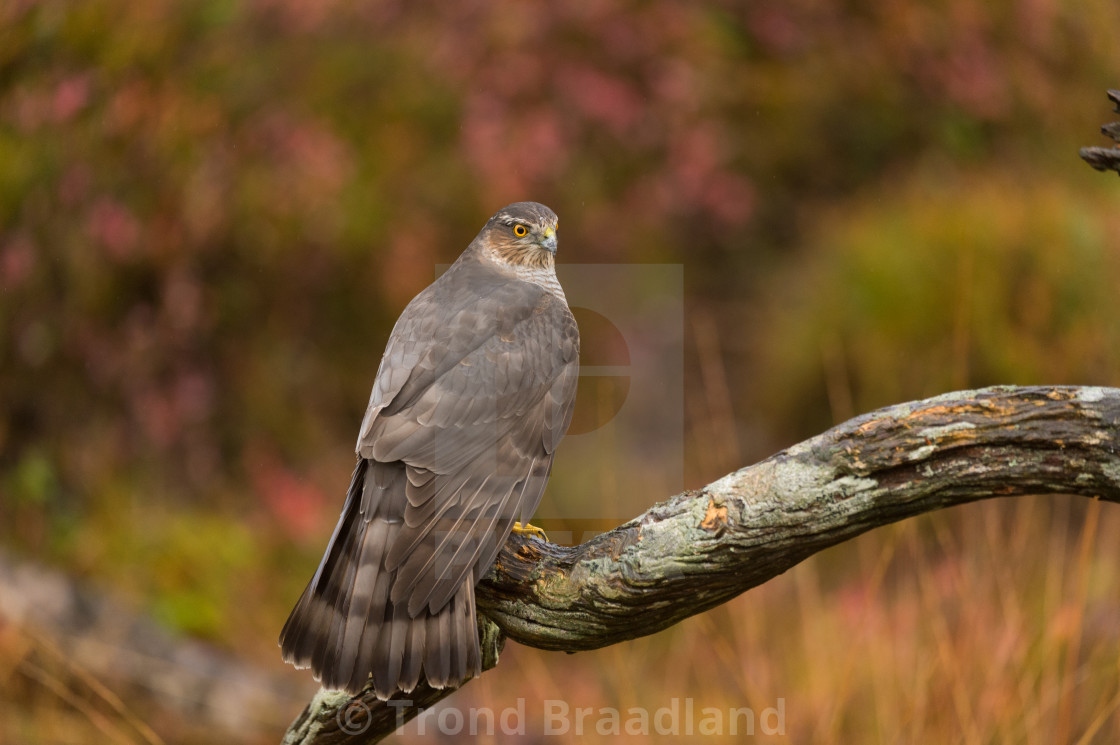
(529, 529)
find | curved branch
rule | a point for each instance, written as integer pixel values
(702, 548)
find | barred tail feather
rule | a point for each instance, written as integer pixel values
(345, 627)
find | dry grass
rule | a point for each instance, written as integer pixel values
(47, 697)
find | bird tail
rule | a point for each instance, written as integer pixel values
(345, 627)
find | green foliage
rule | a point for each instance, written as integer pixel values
(33, 479)
(950, 280)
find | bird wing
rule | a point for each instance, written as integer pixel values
(474, 392)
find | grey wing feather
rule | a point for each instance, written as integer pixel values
(441, 327)
(476, 422)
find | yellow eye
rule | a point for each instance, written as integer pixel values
(520, 231)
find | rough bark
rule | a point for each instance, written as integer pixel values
(701, 548)
(1106, 158)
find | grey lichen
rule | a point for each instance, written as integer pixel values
(324, 707)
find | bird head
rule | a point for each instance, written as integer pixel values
(522, 234)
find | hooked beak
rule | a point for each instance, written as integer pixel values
(548, 242)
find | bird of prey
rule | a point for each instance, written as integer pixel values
(473, 394)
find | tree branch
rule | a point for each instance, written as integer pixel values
(701, 548)
(1106, 158)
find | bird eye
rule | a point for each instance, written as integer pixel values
(520, 231)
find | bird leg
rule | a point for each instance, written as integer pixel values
(530, 529)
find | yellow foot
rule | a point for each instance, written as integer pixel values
(531, 530)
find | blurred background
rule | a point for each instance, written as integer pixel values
(212, 212)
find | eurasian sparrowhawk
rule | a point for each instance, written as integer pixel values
(474, 392)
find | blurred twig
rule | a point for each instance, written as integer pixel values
(1106, 158)
(702, 548)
